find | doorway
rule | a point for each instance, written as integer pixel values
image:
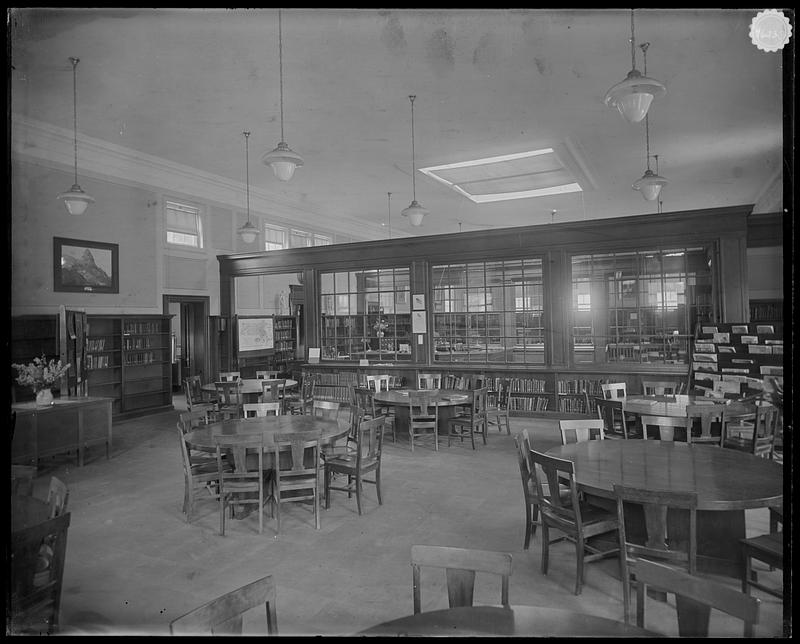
(189, 326)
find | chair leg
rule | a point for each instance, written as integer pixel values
(545, 547)
(221, 514)
(527, 526)
(436, 439)
(359, 490)
(579, 566)
(472, 434)
(327, 488)
(640, 594)
(378, 484)
(535, 517)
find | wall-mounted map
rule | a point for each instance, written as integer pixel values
(255, 334)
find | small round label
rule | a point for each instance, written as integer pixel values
(770, 30)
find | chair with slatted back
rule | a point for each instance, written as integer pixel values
(579, 522)
(461, 566)
(423, 417)
(472, 421)
(266, 375)
(57, 497)
(663, 428)
(614, 390)
(660, 387)
(244, 483)
(296, 475)
(761, 439)
(612, 413)
(529, 490)
(230, 376)
(229, 399)
(694, 598)
(35, 572)
(301, 401)
(378, 383)
(200, 472)
(429, 381)
(659, 542)
(497, 400)
(580, 430)
(223, 615)
(708, 420)
(262, 409)
(194, 397)
(273, 391)
(358, 462)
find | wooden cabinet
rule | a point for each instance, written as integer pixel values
(128, 359)
(69, 425)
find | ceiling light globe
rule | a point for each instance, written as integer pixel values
(633, 96)
(415, 213)
(650, 185)
(283, 161)
(76, 200)
(248, 233)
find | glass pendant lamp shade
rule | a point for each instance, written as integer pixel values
(415, 213)
(283, 161)
(650, 184)
(75, 199)
(632, 97)
(248, 233)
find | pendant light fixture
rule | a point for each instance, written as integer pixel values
(283, 160)
(248, 232)
(632, 97)
(414, 212)
(75, 199)
(649, 184)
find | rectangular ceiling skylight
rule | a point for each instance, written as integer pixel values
(511, 176)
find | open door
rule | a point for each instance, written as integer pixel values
(190, 337)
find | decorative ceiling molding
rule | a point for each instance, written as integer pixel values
(53, 146)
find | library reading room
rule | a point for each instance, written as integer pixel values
(400, 322)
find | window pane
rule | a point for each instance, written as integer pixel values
(182, 224)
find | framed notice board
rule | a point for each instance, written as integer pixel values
(255, 335)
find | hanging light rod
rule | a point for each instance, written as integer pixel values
(632, 97)
(75, 199)
(248, 232)
(283, 160)
(414, 212)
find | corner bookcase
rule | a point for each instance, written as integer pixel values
(129, 359)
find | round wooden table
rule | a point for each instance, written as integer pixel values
(674, 406)
(727, 483)
(251, 386)
(534, 621)
(444, 399)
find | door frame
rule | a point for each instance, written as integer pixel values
(201, 353)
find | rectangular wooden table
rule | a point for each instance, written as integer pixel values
(69, 424)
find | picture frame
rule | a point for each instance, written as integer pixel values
(418, 301)
(82, 266)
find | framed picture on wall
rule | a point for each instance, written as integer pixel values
(81, 266)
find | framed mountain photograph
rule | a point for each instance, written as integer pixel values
(81, 266)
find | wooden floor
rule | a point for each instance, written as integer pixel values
(134, 564)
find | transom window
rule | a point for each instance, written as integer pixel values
(183, 224)
(302, 238)
(489, 312)
(639, 306)
(275, 238)
(366, 314)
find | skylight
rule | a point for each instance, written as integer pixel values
(536, 173)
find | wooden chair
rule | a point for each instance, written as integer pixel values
(767, 548)
(529, 490)
(194, 397)
(497, 405)
(578, 521)
(761, 440)
(660, 387)
(659, 542)
(273, 391)
(363, 397)
(200, 473)
(429, 381)
(612, 413)
(423, 417)
(266, 375)
(356, 464)
(36, 567)
(694, 598)
(242, 485)
(378, 383)
(253, 410)
(57, 497)
(578, 431)
(665, 428)
(461, 565)
(614, 390)
(300, 403)
(296, 477)
(229, 399)
(708, 418)
(325, 408)
(472, 421)
(223, 615)
(230, 376)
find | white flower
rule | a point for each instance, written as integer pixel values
(40, 374)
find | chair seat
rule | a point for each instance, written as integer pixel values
(767, 545)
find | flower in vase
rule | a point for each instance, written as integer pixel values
(40, 374)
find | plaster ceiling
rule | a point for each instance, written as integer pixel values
(184, 84)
